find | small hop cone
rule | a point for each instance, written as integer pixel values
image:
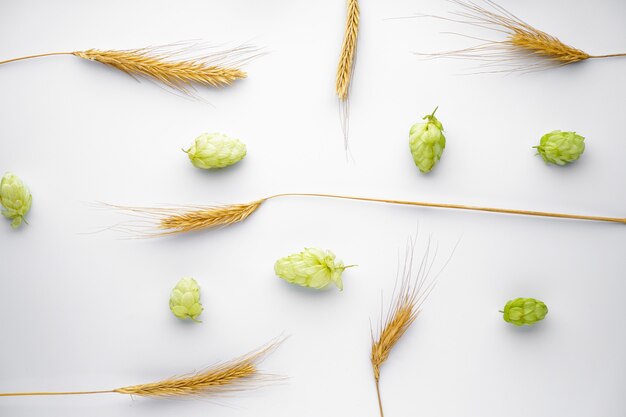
(215, 150)
(185, 299)
(15, 199)
(524, 311)
(561, 148)
(427, 142)
(313, 268)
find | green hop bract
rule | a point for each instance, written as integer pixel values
(15, 199)
(215, 150)
(561, 147)
(427, 142)
(524, 311)
(185, 299)
(314, 268)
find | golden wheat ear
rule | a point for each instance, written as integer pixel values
(524, 48)
(235, 375)
(154, 221)
(179, 66)
(345, 67)
(411, 290)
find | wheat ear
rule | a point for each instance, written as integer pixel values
(345, 68)
(178, 66)
(234, 375)
(524, 48)
(348, 50)
(167, 221)
(407, 300)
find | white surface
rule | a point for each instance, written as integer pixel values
(90, 311)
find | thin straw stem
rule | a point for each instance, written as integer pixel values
(607, 56)
(35, 56)
(42, 393)
(460, 207)
(380, 401)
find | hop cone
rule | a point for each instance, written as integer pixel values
(427, 142)
(314, 268)
(185, 299)
(15, 198)
(561, 147)
(524, 311)
(215, 150)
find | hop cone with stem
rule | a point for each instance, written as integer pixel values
(524, 311)
(15, 199)
(427, 142)
(314, 268)
(215, 150)
(561, 148)
(185, 299)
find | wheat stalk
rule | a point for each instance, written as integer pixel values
(178, 66)
(523, 41)
(345, 68)
(233, 375)
(407, 300)
(167, 221)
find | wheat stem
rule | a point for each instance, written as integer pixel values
(380, 401)
(35, 56)
(607, 56)
(42, 393)
(459, 207)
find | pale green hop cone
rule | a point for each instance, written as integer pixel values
(524, 311)
(313, 268)
(215, 150)
(185, 300)
(15, 199)
(561, 148)
(427, 142)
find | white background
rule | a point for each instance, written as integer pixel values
(89, 311)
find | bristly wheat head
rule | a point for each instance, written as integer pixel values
(407, 300)
(348, 50)
(525, 48)
(179, 66)
(173, 220)
(234, 375)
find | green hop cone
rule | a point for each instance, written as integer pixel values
(524, 311)
(15, 198)
(314, 268)
(215, 150)
(561, 147)
(427, 142)
(185, 299)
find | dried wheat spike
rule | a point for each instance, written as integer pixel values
(179, 66)
(525, 47)
(406, 303)
(348, 51)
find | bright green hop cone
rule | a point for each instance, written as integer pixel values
(524, 311)
(185, 300)
(427, 142)
(215, 150)
(313, 268)
(15, 199)
(561, 148)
